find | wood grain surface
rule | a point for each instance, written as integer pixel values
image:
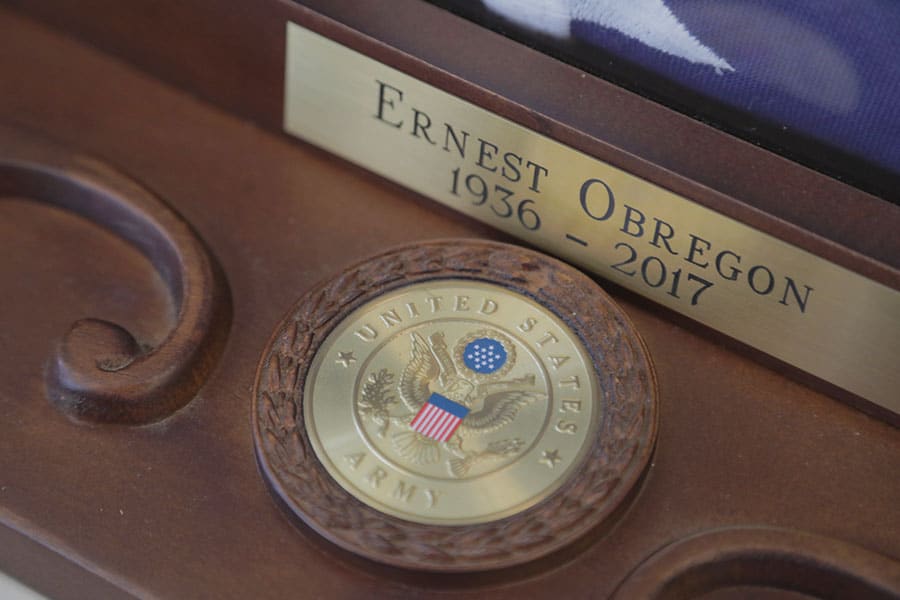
(177, 509)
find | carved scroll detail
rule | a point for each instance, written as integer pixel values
(764, 557)
(99, 372)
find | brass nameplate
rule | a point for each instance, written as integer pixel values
(785, 301)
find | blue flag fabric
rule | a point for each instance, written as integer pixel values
(827, 69)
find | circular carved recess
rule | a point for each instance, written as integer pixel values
(99, 372)
(553, 393)
(748, 557)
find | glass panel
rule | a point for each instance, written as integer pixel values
(816, 81)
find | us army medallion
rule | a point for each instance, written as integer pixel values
(455, 406)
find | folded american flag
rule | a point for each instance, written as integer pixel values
(827, 70)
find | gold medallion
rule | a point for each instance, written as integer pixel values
(455, 406)
(451, 402)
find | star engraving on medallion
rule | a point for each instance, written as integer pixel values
(550, 458)
(345, 359)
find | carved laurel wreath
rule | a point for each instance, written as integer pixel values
(611, 467)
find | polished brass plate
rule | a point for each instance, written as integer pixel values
(798, 307)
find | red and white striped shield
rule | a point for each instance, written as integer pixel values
(439, 418)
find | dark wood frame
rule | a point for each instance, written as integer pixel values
(738, 444)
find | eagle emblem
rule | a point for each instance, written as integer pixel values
(454, 402)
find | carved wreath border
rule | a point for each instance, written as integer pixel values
(615, 462)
